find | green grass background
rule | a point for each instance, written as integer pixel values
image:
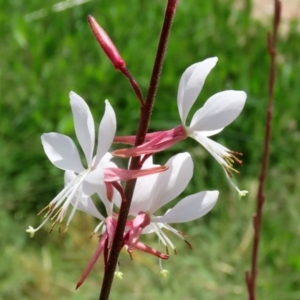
(47, 51)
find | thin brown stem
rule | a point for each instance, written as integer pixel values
(257, 218)
(140, 138)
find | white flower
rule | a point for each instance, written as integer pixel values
(63, 153)
(217, 112)
(154, 191)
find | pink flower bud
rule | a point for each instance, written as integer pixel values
(106, 44)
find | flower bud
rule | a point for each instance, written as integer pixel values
(106, 44)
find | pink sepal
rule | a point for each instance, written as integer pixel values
(139, 223)
(144, 248)
(116, 174)
(101, 246)
(156, 141)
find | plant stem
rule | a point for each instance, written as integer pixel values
(257, 218)
(140, 138)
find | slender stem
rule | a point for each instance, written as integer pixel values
(134, 85)
(140, 138)
(257, 218)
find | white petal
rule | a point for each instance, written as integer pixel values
(101, 191)
(68, 177)
(84, 125)
(92, 181)
(62, 152)
(142, 193)
(148, 162)
(106, 158)
(107, 130)
(190, 85)
(105, 161)
(87, 205)
(190, 208)
(206, 133)
(219, 111)
(172, 182)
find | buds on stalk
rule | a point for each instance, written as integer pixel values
(113, 54)
(106, 44)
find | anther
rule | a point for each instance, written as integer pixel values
(190, 246)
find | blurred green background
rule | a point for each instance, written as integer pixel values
(47, 50)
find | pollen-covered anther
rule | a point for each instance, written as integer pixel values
(130, 253)
(91, 235)
(57, 215)
(60, 232)
(52, 226)
(233, 156)
(236, 153)
(230, 160)
(181, 233)
(167, 250)
(50, 208)
(228, 168)
(190, 246)
(66, 229)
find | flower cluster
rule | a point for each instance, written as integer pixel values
(156, 185)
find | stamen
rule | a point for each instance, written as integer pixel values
(164, 239)
(181, 233)
(240, 193)
(190, 246)
(227, 171)
(66, 229)
(176, 232)
(167, 250)
(130, 251)
(239, 161)
(56, 214)
(236, 153)
(159, 234)
(97, 228)
(50, 209)
(52, 226)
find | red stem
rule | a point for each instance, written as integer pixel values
(257, 218)
(140, 138)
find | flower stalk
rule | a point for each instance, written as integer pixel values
(251, 275)
(140, 138)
